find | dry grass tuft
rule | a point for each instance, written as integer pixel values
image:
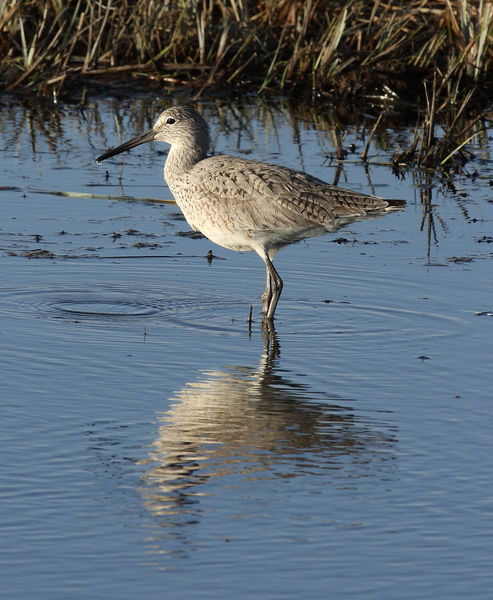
(323, 46)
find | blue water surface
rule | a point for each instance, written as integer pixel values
(156, 447)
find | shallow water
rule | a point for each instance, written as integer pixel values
(154, 447)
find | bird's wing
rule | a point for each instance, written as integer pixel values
(270, 196)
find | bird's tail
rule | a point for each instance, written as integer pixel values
(394, 204)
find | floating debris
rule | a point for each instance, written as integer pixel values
(194, 235)
(210, 257)
(38, 253)
(147, 245)
(100, 196)
(137, 232)
(460, 259)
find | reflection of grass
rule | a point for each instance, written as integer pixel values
(344, 46)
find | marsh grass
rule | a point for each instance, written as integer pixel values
(443, 132)
(323, 46)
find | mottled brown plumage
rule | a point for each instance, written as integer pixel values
(248, 205)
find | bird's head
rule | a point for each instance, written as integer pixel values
(178, 125)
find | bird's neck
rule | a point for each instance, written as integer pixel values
(182, 157)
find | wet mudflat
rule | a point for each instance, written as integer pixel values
(153, 446)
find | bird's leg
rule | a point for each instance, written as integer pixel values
(275, 290)
(267, 295)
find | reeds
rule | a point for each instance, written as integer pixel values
(445, 127)
(320, 46)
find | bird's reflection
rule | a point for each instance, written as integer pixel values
(256, 423)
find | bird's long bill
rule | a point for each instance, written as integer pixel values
(148, 136)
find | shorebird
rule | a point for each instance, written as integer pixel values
(244, 204)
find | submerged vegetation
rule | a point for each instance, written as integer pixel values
(434, 57)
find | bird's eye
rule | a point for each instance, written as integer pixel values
(170, 121)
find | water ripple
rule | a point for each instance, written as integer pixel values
(101, 304)
(210, 313)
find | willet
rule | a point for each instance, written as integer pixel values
(248, 205)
